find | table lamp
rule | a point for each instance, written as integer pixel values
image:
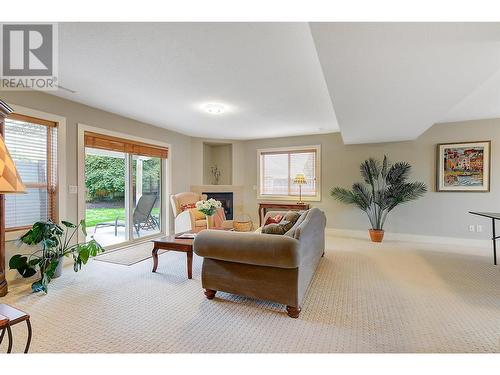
(300, 179)
(10, 182)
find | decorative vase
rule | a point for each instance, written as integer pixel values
(210, 222)
(376, 235)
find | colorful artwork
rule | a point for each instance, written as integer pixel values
(464, 166)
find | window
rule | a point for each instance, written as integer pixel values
(278, 167)
(32, 144)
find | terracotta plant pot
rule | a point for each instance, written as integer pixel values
(376, 235)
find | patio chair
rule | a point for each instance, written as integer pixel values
(142, 217)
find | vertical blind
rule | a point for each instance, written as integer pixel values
(32, 144)
(279, 168)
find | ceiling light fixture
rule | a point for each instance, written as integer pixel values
(214, 108)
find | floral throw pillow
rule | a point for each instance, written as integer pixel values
(273, 219)
(187, 206)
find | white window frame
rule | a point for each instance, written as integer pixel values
(315, 198)
(61, 160)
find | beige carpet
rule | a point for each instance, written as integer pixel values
(394, 297)
(128, 255)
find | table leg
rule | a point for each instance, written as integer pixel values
(2, 334)
(28, 342)
(494, 243)
(190, 264)
(9, 336)
(155, 258)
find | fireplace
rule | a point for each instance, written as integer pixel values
(226, 199)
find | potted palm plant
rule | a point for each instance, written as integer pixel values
(53, 244)
(384, 188)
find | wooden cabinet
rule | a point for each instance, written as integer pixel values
(265, 207)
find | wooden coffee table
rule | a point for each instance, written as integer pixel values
(174, 244)
(184, 245)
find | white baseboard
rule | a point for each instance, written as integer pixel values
(406, 237)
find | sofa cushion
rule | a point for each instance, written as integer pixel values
(248, 248)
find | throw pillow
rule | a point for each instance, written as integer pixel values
(289, 220)
(291, 231)
(284, 225)
(274, 219)
(273, 228)
(187, 206)
(198, 215)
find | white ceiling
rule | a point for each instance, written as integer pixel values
(391, 82)
(383, 82)
(267, 75)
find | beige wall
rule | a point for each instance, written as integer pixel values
(207, 163)
(200, 171)
(77, 113)
(222, 156)
(436, 214)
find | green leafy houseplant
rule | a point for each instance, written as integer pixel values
(385, 187)
(54, 242)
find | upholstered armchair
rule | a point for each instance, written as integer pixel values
(187, 217)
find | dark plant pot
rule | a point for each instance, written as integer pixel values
(59, 268)
(376, 235)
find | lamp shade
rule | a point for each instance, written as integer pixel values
(300, 179)
(10, 181)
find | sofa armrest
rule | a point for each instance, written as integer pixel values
(249, 248)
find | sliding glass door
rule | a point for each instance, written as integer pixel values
(146, 198)
(106, 195)
(124, 200)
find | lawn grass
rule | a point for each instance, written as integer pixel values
(102, 215)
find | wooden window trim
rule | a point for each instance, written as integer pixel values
(110, 143)
(52, 190)
(32, 120)
(15, 229)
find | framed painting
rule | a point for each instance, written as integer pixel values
(463, 166)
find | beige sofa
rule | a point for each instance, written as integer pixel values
(277, 268)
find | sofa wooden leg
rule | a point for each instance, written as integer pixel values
(322, 255)
(293, 312)
(210, 294)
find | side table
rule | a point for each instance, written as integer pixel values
(10, 316)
